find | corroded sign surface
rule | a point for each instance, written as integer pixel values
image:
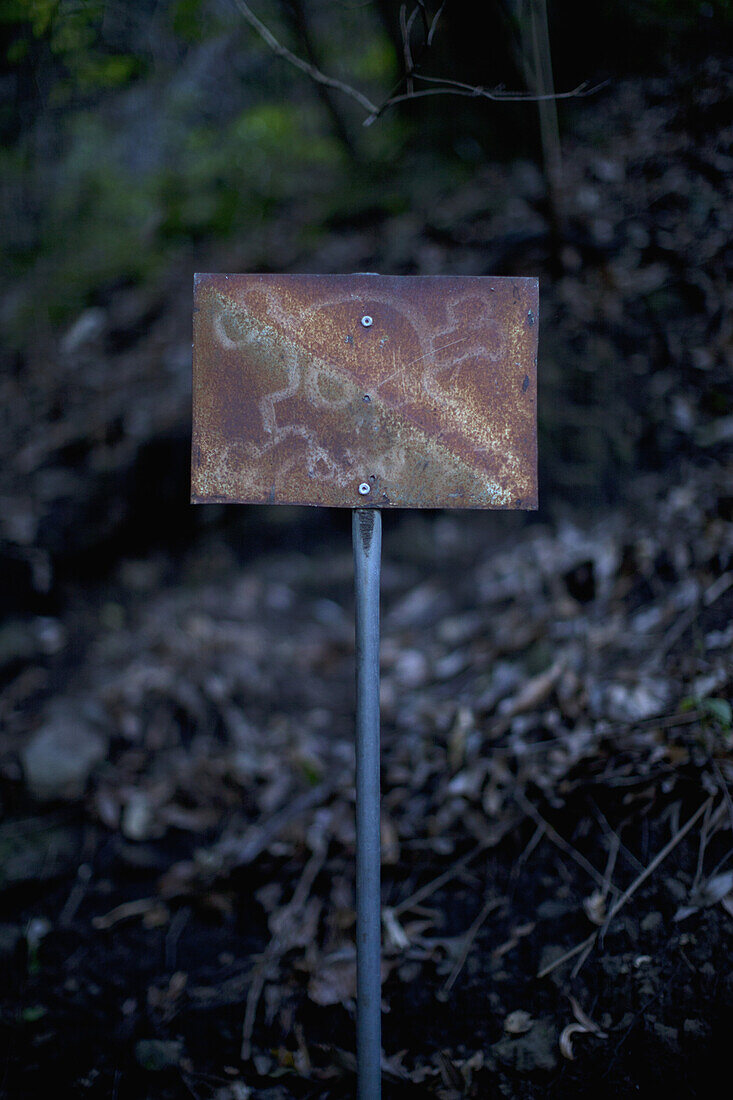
(365, 390)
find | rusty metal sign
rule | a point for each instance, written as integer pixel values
(365, 391)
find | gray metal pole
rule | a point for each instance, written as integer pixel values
(367, 538)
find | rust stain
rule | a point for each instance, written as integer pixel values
(432, 405)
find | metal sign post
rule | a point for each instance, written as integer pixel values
(367, 538)
(365, 392)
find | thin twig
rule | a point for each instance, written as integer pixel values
(628, 893)
(128, 909)
(416, 61)
(640, 879)
(406, 28)
(488, 907)
(567, 956)
(681, 832)
(616, 838)
(444, 86)
(724, 787)
(241, 850)
(75, 898)
(704, 838)
(583, 956)
(530, 846)
(436, 883)
(424, 13)
(678, 836)
(560, 842)
(172, 936)
(613, 850)
(315, 74)
(500, 93)
(497, 95)
(434, 24)
(276, 946)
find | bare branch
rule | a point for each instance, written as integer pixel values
(424, 14)
(299, 63)
(443, 85)
(410, 63)
(587, 945)
(434, 24)
(500, 93)
(406, 28)
(497, 95)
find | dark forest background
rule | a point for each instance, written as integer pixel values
(176, 854)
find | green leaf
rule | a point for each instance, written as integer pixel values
(719, 709)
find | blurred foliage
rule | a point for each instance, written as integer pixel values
(146, 139)
(71, 32)
(132, 130)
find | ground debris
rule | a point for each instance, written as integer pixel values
(231, 777)
(556, 700)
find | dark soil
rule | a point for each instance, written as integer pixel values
(536, 815)
(75, 1010)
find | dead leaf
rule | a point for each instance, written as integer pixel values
(334, 982)
(126, 911)
(595, 908)
(534, 692)
(395, 934)
(584, 1019)
(518, 1022)
(715, 890)
(566, 1045)
(583, 1026)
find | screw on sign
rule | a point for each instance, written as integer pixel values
(365, 392)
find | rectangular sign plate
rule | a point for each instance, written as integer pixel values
(365, 391)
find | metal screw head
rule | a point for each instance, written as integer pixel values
(367, 321)
(365, 488)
